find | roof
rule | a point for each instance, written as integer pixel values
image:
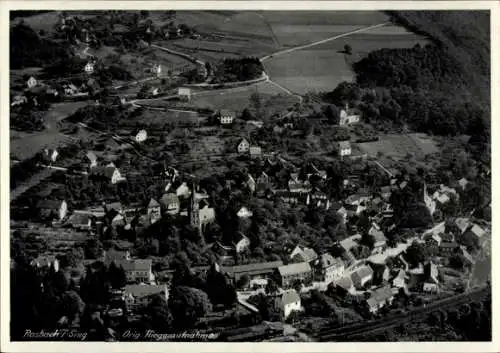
(328, 260)
(169, 198)
(44, 260)
(448, 245)
(307, 254)
(184, 90)
(362, 272)
(462, 223)
(153, 203)
(91, 156)
(79, 218)
(243, 140)
(255, 150)
(143, 290)
(380, 295)
(293, 269)
(135, 265)
(477, 230)
(344, 144)
(345, 283)
(49, 204)
(289, 297)
(117, 206)
(239, 236)
(107, 171)
(113, 254)
(256, 267)
(225, 112)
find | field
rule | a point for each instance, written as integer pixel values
(239, 98)
(324, 66)
(24, 145)
(217, 49)
(292, 28)
(159, 118)
(44, 21)
(399, 145)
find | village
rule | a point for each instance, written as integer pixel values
(247, 237)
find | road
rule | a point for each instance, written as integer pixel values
(305, 46)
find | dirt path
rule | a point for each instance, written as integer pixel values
(267, 57)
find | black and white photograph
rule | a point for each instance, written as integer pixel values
(184, 175)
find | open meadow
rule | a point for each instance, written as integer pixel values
(400, 145)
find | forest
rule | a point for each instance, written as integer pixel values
(27, 49)
(241, 69)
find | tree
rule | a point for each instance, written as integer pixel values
(93, 249)
(159, 314)
(243, 281)
(347, 49)
(271, 287)
(256, 101)
(187, 305)
(415, 253)
(117, 276)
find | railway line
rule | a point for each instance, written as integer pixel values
(352, 331)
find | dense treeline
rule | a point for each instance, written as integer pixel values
(441, 88)
(28, 49)
(241, 69)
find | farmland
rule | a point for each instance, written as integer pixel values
(399, 145)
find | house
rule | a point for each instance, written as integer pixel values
(206, 215)
(32, 82)
(154, 211)
(170, 203)
(250, 183)
(303, 254)
(226, 117)
(475, 232)
(344, 285)
(18, 100)
(115, 255)
(263, 179)
(379, 298)
(378, 238)
(244, 213)
(137, 271)
(184, 94)
(348, 116)
(50, 154)
(254, 270)
(52, 209)
(329, 269)
(46, 261)
(91, 156)
(140, 295)
(153, 91)
(257, 123)
(462, 224)
(255, 151)
(156, 69)
(447, 248)
(400, 279)
(287, 302)
(429, 202)
(89, 67)
(140, 136)
(344, 148)
(432, 240)
(463, 183)
(81, 220)
(386, 192)
(118, 220)
(288, 274)
(362, 276)
(241, 243)
(108, 172)
(243, 146)
(113, 206)
(183, 191)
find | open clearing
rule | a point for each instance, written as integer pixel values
(400, 145)
(239, 98)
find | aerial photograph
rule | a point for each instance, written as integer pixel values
(250, 176)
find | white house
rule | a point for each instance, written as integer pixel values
(243, 146)
(141, 136)
(361, 276)
(329, 269)
(109, 172)
(140, 295)
(241, 243)
(255, 151)
(226, 116)
(46, 261)
(184, 94)
(137, 271)
(344, 148)
(91, 156)
(183, 190)
(89, 67)
(154, 211)
(51, 209)
(18, 100)
(156, 69)
(347, 116)
(287, 302)
(32, 82)
(51, 154)
(244, 213)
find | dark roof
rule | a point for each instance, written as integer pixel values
(261, 266)
(49, 204)
(291, 269)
